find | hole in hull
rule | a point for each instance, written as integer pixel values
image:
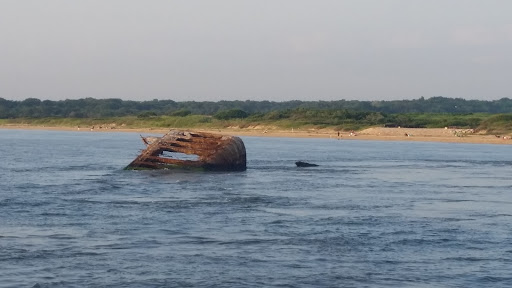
(180, 156)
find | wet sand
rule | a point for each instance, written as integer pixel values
(376, 133)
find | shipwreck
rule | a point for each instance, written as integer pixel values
(192, 150)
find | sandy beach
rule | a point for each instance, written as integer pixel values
(375, 133)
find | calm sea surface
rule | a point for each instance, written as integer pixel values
(373, 214)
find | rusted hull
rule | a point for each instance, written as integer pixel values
(213, 152)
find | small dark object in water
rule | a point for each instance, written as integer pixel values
(305, 164)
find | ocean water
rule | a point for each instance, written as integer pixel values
(373, 214)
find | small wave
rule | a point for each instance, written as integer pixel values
(196, 240)
(243, 200)
(471, 162)
(57, 284)
(417, 242)
(494, 279)
(61, 236)
(53, 214)
(468, 259)
(454, 200)
(254, 241)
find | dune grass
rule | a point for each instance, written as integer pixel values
(498, 123)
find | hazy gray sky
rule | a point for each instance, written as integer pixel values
(255, 50)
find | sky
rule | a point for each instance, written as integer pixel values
(277, 50)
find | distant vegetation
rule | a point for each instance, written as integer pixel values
(491, 116)
(94, 108)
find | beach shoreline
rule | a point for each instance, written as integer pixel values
(372, 134)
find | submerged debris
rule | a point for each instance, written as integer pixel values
(213, 152)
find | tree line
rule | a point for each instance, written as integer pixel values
(99, 108)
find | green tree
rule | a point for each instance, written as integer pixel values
(181, 113)
(231, 114)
